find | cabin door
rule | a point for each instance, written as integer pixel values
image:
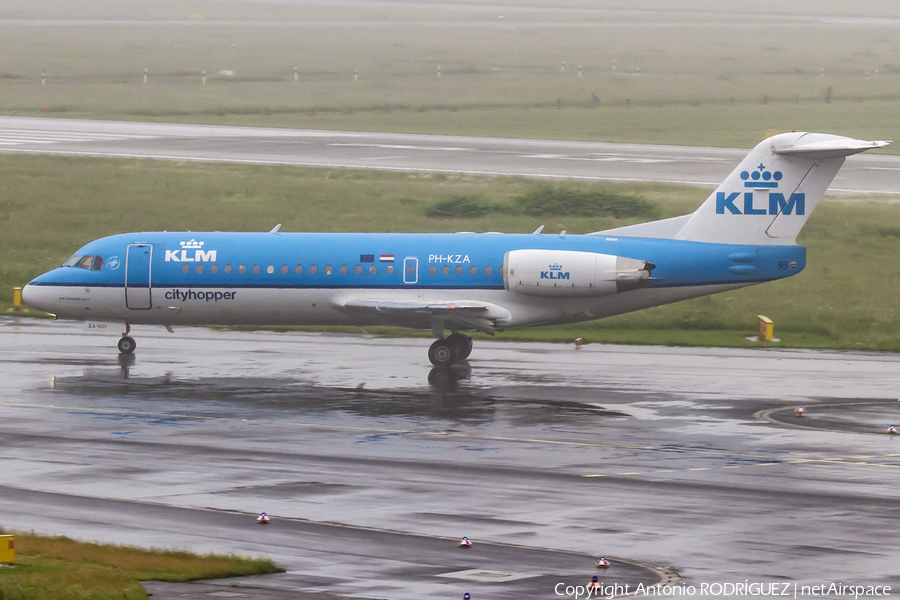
(137, 276)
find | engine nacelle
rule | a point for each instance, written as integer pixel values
(570, 273)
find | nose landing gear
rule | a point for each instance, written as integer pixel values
(126, 342)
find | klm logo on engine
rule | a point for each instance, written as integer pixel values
(760, 179)
(191, 251)
(555, 272)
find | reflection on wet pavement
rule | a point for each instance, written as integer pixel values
(654, 454)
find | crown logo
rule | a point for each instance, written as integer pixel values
(760, 178)
(192, 245)
(556, 267)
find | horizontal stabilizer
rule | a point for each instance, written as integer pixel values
(820, 146)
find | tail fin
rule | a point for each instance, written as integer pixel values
(770, 195)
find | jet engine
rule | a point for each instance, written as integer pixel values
(570, 273)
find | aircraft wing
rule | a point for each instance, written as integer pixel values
(461, 314)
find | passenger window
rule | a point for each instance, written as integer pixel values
(328, 269)
(373, 269)
(270, 269)
(389, 269)
(298, 270)
(358, 269)
(199, 268)
(213, 269)
(459, 270)
(445, 270)
(256, 269)
(488, 270)
(185, 268)
(227, 269)
(343, 269)
(473, 270)
(411, 270)
(284, 269)
(313, 270)
(432, 270)
(242, 269)
(85, 262)
(98, 263)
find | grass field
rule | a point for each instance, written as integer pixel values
(696, 72)
(680, 72)
(846, 297)
(64, 569)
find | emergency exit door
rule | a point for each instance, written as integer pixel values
(410, 270)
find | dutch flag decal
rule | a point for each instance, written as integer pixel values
(386, 258)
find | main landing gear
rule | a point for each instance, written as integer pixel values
(445, 352)
(126, 342)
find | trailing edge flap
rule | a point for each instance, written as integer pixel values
(482, 316)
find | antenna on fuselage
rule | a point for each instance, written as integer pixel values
(538, 230)
(276, 228)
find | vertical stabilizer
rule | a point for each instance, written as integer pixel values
(770, 195)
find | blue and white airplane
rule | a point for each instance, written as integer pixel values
(743, 234)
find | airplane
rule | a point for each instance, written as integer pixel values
(743, 234)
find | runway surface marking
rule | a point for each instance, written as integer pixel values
(400, 146)
(406, 169)
(838, 460)
(410, 153)
(339, 165)
(767, 415)
(765, 460)
(12, 137)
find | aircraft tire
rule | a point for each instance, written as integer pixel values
(126, 345)
(463, 345)
(442, 353)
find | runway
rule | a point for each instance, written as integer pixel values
(371, 464)
(698, 166)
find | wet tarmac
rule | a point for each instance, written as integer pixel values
(371, 463)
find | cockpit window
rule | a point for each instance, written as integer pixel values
(91, 263)
(85, 263)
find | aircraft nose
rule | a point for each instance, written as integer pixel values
(28, 295)
(37, 296)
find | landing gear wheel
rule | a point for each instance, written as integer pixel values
(463, 345)
(442, 353)
(126, 345)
